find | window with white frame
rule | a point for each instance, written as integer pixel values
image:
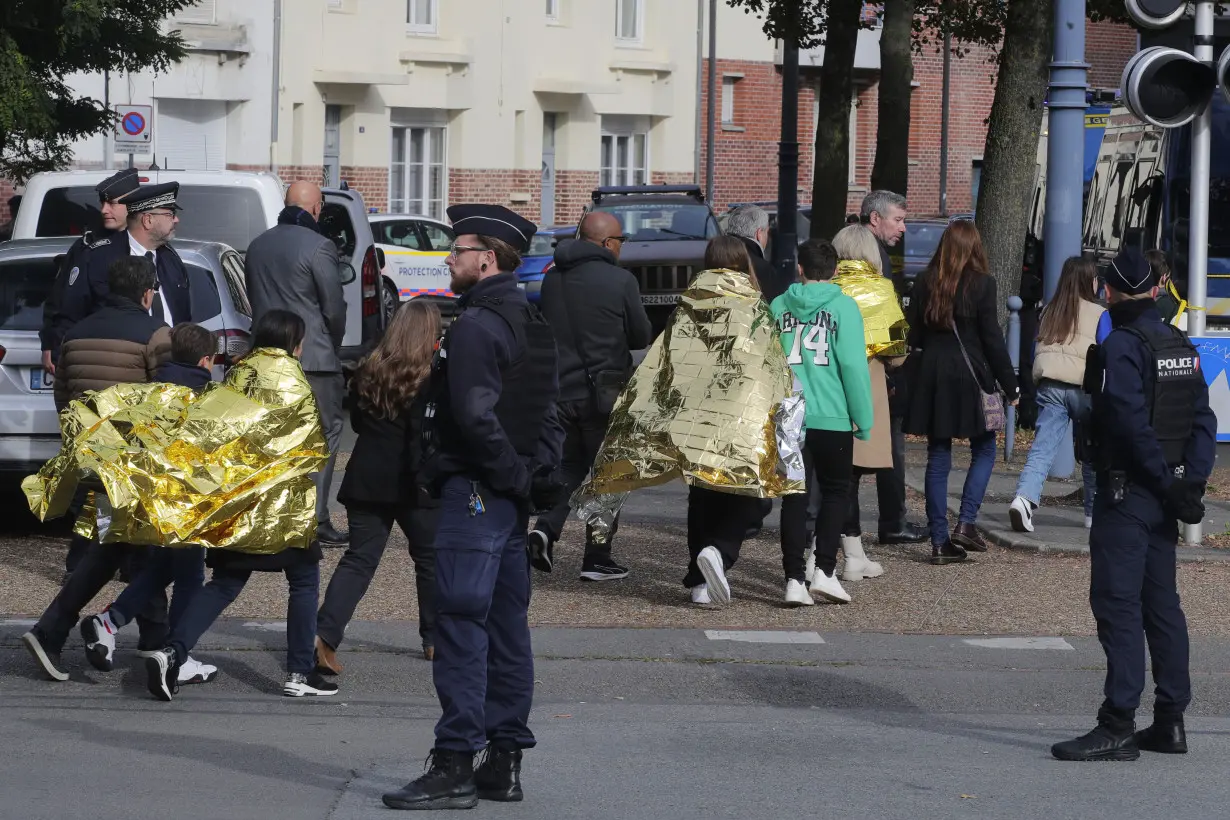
(625, 151)
(418, 181)
(629, 20)
(728, 100)
(553, 10)
(422, 16)
(202, 12)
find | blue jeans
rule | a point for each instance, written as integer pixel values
(1059, 405)
(185, 566)
(939, 465)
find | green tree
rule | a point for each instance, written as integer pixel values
(44, 41)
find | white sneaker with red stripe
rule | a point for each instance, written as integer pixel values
(98, 635)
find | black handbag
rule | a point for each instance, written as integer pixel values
(604, 385)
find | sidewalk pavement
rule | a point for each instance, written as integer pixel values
(1058, 528)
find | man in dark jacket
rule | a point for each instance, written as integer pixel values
(293, 267)
(118, 344)
(750, 223)
(595, 311)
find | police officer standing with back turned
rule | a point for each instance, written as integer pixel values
(495, 443)
(1154, 440)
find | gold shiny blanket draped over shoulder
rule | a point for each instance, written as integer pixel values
(883, 322)
(226, 467)
(702, 404)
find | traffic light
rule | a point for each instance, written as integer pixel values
(1165, 86)
(1156, 13)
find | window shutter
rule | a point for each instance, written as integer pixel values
(202, 12)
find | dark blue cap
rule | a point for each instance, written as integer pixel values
(1130, 273)
(119, 185)
(151, 197)
(495, 221)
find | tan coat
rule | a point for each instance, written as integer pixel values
(1066, 362)
(877, 452)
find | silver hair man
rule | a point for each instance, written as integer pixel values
(750, 222)
(884, 213)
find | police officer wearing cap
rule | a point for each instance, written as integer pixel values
(111, 192)
(1153, 437)
(152, 216)
(494, 443)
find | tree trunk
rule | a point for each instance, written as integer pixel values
(1010, 157)
(892, 167)
(831, 182)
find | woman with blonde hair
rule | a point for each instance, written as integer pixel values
(381, 484)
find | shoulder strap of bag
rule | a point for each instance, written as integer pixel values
(576, 338)
(965, 355)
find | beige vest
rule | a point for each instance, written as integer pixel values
(1066, 362)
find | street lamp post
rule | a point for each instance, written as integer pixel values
(786, 243)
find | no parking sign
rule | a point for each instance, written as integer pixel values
(134, 129)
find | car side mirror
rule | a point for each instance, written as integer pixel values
(380, 258)
(346, 272)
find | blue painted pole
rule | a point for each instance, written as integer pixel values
(1065, 163)
(1014, 354)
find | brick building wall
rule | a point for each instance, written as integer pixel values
(498, 187)
(573, 191)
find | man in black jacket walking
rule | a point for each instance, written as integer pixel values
(750, 224)
(595, 311)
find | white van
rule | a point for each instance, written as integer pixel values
(233, 208)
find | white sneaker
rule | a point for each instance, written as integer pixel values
(809, 565)
(858, 566)
(710, 563)
(829, 588)
(193, 671)
(1089, 522)
(700, 595)
(1021, 513)
(796, 594)
(98, 635)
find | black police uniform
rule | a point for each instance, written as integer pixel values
(493, 430)
(55, 321)
(1153, 437)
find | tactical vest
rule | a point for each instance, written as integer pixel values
(526, 396)
(1173, 382)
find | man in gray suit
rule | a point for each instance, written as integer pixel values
(293, 267)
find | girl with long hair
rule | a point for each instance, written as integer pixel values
(957, 354)
(1070, 324)
(381, 484)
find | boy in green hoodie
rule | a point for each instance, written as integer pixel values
(822, 335)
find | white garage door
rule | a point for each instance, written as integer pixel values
(190, 135)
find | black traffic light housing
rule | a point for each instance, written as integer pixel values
(1156, 13)
(1165, 86)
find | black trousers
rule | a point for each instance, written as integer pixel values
(890, 492)
(831, 457)
(96, 569)
(584, 428)
(718, 520)
(370, 526)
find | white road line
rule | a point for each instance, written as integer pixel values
(1021, 643)
(17, 622)
(767, 636)
(266, 626)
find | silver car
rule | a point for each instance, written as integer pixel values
(29, 426)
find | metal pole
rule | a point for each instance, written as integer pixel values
(944, 100)
(1014, 355)
(786, 244)
(109, 134)
(1065, 164)
(1198, 236)
(713, 92)
(700, 80)
(277, 86)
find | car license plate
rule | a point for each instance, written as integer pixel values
(40, 379)
(659, 298)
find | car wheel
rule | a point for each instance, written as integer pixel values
(390, 300)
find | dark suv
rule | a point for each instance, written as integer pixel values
(668, 228)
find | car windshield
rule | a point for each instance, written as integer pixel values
(663, 221)
(211, 213)
(921, 239)
(24, 285)
(543, 244)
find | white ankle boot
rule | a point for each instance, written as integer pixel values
(858, 565)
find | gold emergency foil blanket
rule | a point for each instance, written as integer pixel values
(700, 406)
(228, 467)
(883, 322)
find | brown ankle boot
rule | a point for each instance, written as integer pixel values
(326, 659)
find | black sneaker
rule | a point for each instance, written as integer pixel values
(47, 659)
(541, 550)
(448, 783)
(162, 674)
(312, 684)
(602, 569)
(498, 776)
(1114, 738)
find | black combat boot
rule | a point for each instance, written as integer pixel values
(1166, 735)
(498, 777)
(448, 783)
(1114, 738)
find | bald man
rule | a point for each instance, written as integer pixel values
(293, 267)
(594, 308)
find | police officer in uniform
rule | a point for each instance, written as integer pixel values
(152, 217)
(494, 443)
(111, 192)
(1153, 437)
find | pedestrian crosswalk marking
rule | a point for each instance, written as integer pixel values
(17, 622)
(1020, 643)
(766, 636)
